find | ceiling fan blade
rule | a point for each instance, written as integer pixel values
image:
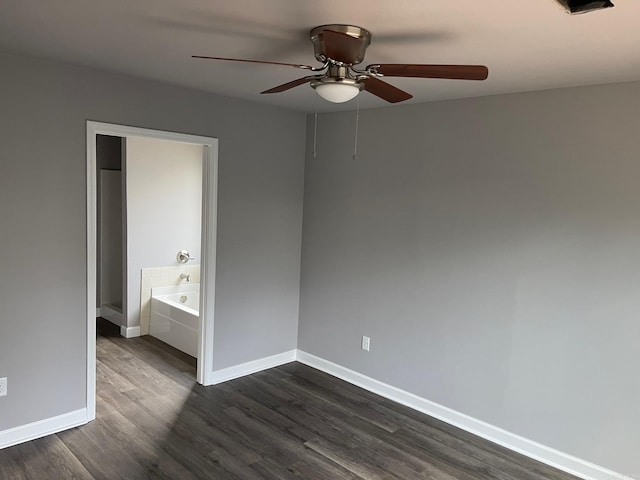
(385, 90)
(288, 85)
(457, 72)
(341, 47)
(306, 67)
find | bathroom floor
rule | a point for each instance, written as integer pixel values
(106, 329)
(291, 422)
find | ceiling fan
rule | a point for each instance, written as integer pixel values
(339, 48)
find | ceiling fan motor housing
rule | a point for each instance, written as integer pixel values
(317, 38)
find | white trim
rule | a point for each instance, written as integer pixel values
(253, 366)
(92, 235)
(208, 264)
(537, 451)
(113, 129)
(129, 332)
(42, 428)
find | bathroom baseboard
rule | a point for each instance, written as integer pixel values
(130, 332)
(113, 315)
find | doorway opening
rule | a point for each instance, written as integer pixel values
(132, 308)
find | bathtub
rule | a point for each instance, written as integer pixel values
(174, 316)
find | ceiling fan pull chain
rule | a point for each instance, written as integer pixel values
(315, 128)
(355, 143)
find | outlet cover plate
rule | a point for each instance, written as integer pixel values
(3, 386)
(366, 343)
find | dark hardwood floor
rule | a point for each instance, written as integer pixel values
(291, 422)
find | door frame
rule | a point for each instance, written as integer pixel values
(208, 245)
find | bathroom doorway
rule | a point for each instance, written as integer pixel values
(153, 185)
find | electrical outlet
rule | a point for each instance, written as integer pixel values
(3, 386)
(366, 342)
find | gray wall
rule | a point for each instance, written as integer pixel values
(45, 107)
(491, 250)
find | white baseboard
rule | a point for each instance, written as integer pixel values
(537, 451)
(112, 314)
(42, 428)
(254, 366)
(568, 463)
(129, 332)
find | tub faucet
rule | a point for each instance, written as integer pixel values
(186, 276)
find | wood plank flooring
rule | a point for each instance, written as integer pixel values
(291, 422)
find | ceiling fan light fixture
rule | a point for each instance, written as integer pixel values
(338, 91)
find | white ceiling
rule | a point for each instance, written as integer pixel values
(527, 45)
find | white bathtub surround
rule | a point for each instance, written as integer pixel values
(162, 277)
(174, 317)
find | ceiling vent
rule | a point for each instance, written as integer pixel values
(584, 6)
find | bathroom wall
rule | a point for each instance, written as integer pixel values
(108, 152)
(109, 160)
(109, 253)
(164, 210)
